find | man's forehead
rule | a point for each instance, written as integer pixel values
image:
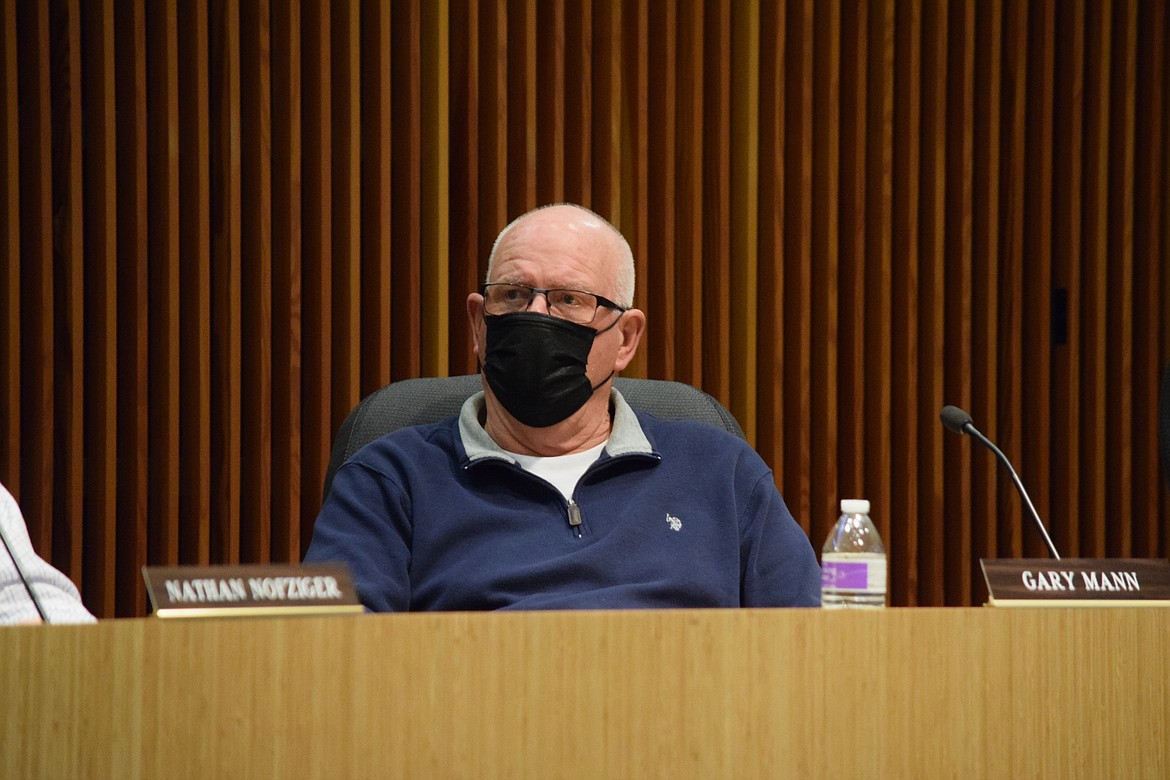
(569, 225)
(546, 271)
(553, 244)
(562, 246)
(555, 272)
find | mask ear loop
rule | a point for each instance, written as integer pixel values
(602, 382)
(603, 330)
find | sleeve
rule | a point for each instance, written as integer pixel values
(365, 524)
(779, 567)
(58, 595)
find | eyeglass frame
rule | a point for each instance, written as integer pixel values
(532, 292)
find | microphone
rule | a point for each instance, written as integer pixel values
(955, 419)
(20, 573)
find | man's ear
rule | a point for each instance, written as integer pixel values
(475, 322)
(631, 326)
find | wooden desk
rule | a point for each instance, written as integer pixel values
(673, 694)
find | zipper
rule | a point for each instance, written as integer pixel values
(575, 517)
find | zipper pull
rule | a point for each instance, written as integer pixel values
(575, 517)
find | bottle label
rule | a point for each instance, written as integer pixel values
(853, 571)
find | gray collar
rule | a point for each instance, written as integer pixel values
(625, 438)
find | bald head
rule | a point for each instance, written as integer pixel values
(565, 225)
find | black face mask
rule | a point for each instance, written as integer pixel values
(535, 365)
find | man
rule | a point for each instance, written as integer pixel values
(548, 491)
(56, 594)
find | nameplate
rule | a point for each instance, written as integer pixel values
(1092, 582)
(259, 589)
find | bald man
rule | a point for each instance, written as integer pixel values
(548, 491)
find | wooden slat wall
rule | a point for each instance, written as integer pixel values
(10, 287)
(223, 223)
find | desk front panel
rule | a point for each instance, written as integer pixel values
(713, 693)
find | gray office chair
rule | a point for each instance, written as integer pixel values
(430, 399)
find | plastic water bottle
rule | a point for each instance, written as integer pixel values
(853, 560)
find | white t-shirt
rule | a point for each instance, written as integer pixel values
(562, 471)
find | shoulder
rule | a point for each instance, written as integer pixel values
(694, 429)
(692, 438)
(412, 444)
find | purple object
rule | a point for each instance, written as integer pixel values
(845, 576)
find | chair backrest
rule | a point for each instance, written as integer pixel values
(1164, 424)
(430, 399)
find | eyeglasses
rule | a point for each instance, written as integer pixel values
(573, 305)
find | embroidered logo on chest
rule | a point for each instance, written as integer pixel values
(674, 522)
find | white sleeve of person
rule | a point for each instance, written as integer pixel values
(56, 592)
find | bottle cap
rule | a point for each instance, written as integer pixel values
(854, 506)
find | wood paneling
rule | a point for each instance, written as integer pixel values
(132, 305)
(406, 191)
(224, 223)
(31, 442)
(165, 389)
(256, 343)
(1095, 255)
(1149, 270)
(195, 504)
(287, 281)
(316, 246)
(100, 207)
(69, 258)
(10, 293)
